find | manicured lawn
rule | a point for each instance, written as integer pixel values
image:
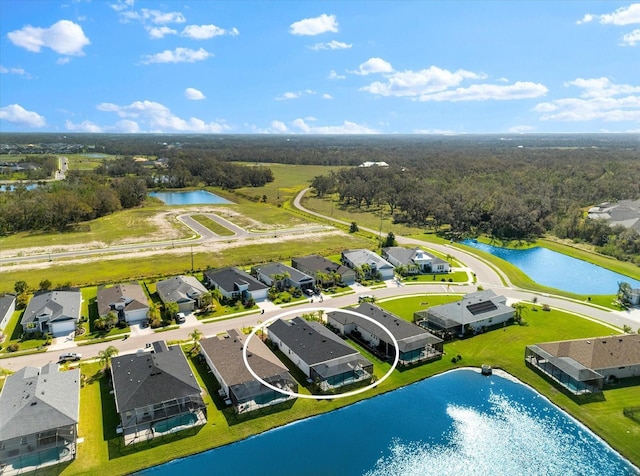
(212, 225)
(500, 348)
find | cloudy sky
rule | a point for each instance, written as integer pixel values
(304, 67)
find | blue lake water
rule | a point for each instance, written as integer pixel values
(457, 423)
(559, 271)
(11, 188)
(195, 197)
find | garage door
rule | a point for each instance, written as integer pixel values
(63, 328)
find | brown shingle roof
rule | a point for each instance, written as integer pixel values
(600, 352)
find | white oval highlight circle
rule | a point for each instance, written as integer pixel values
(320, 397)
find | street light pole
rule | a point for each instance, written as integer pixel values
(192, 258)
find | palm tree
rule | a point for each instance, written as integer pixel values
(196, 335)
(106, 355)
(520, 310)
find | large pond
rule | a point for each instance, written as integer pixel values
(457, 423)
(195, 197)
(558, 270)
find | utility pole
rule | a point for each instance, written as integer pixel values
(192, 258)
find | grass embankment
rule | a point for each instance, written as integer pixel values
(161, 265)
(502, 348)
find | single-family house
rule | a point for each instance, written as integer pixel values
(156, 393)
(233, 283)
(622, 213)
(415, 344)
(39, 413)
(186, 291)
(634, 297)
(238, 387)
(584, 365)
(325, 271)
(57, 312)
(128, 301)
(273, 273)
(370, 263)
(414, 260)
(7, 308)
(321, 355)
(482, 309)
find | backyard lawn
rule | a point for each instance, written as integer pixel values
(502, 348)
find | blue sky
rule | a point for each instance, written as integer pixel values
(328, 67)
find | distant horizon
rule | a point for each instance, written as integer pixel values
(404, 67)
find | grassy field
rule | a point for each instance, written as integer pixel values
(212, 225)
(112, 229)
(102, 271)
(502, 348)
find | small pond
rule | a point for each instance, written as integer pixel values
(558, 270)
(11, 188)
(194, 197)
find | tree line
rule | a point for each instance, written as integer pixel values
(509, 198)
(59, 205)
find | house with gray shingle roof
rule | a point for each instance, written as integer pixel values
(268, 274)
(127, 300)
(156, 393)
(624, 213)
(39, 413)
(186, 291)
(324, 270)
(477, 310)
(584, 365)
(7, 308)
(223, 354)
(415, 344)
(233, 283)
(57, 312)
(414, 260)
(357, 259)
(324, 358)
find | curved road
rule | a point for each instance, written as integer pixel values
(202, 234)
(486, 275)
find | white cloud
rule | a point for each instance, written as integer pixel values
(630, 39)
(122, 5)
(279, 127)
(154, 16)
(600, 108)
(18, 71)
(64, 37)
(622, 16)
(179, 55)
(327, 96)
(84, 126)
(484, 92)
(63, 60)
(418, 83)
(157, 32)
(126, 126)
(294, 95)
(447, 132)
(193, 94)
(520, 129)
(374, 65)
(601, 87)
(16, 114)
(205, 32)
(159, 118)
(331, 45)
(347, 127)
(334, 75)
(315, 26)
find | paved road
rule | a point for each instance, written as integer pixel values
(201, 235)
(486, 275)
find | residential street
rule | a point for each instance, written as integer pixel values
(486, 277)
